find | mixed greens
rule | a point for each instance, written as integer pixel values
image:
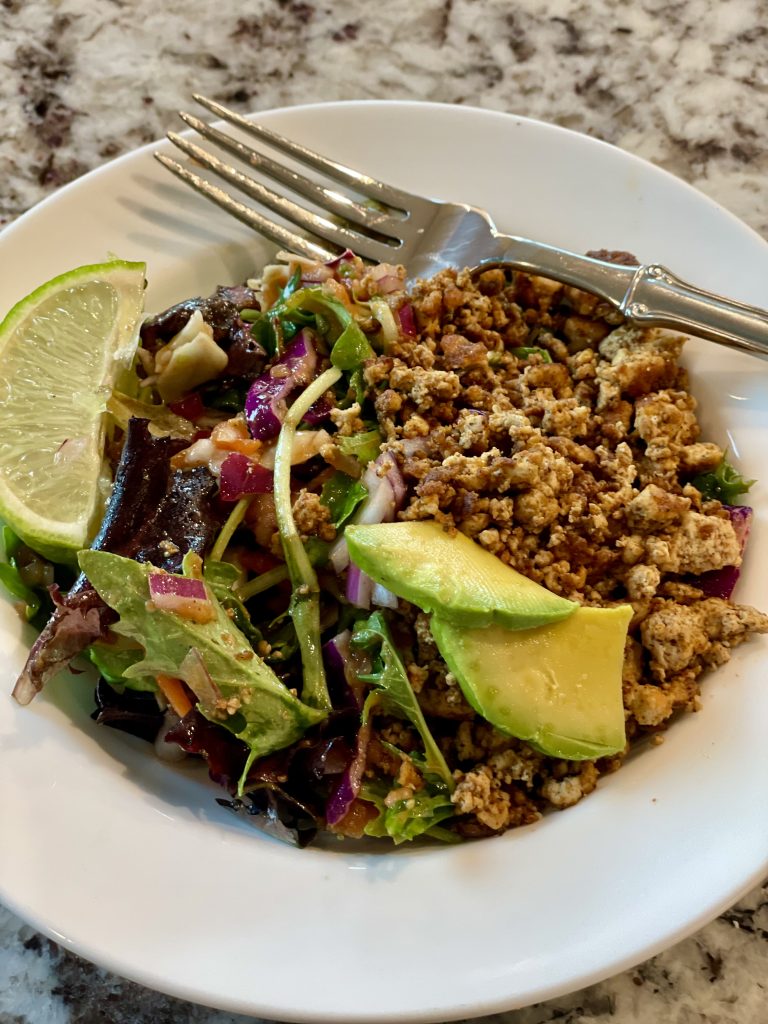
(245, 446)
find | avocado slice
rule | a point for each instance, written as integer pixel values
(557, 687)
(451, 575)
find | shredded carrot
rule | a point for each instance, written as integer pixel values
(249, 447)
(174, 692)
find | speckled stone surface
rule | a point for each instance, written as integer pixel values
(682, 83)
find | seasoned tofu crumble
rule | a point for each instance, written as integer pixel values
(527, 415)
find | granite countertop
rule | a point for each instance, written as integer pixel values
(682, 84)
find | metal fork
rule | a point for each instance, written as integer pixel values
(385, 224)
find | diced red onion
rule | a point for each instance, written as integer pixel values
(346, 257)
(190, 408)
(166, 749)
(388, 279)
(266, 401)
(344, 666)
(197, 677)
(180, 595)
(382, 597)
(359, 587)
(241, 475)
(394, 476)
(741, 521)
(385, 495)
(407, 320)
(339, 555)
(722, 582)
(163, 584)
(379, 506)
(317, 412)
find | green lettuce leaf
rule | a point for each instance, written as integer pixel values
(393, 688)
(267, 716)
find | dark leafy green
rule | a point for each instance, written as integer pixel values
(266, 716)
(271, 329)
(394, 691)
(226, 396)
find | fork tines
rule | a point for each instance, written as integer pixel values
(373, 227)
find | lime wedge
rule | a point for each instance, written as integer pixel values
(62, 349)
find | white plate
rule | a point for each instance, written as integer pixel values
(134, 866)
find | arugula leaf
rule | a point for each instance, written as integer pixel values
(267, 717)
(724, 483)
(395, 692)
(341, 494)
(364, 446)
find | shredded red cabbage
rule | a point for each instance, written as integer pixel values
(266, 401)
(348, 789)
(722, 582)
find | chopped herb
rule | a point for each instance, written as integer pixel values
(526, 351)
(364, 446)
(723, 484)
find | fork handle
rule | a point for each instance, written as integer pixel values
(648, 294)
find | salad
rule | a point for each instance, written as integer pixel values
(345, 514)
